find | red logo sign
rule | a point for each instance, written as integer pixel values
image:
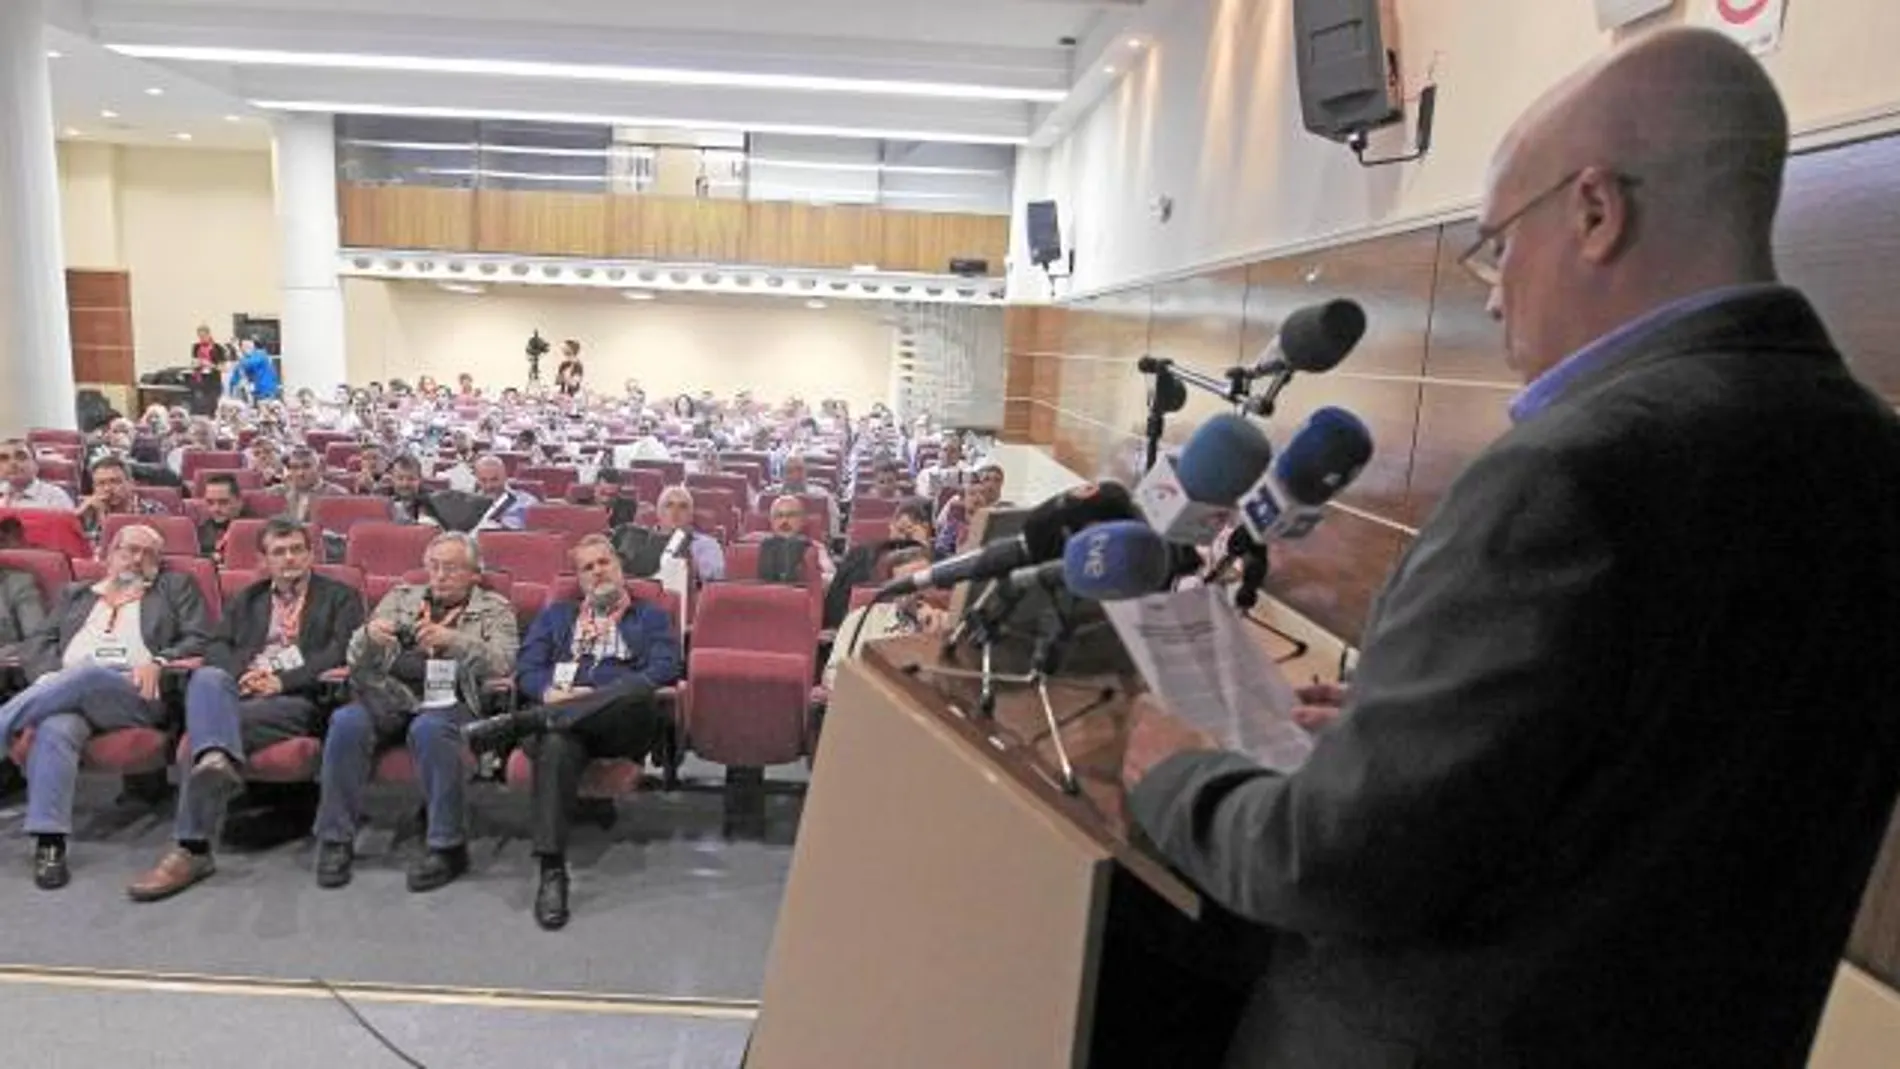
(1740, 12)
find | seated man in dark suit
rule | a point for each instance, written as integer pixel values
(95, 667)
(591, 666)
(259, 686)
(408, 501)
(223, 502)
(1607, 785)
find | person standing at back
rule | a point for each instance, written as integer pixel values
(1623, 741)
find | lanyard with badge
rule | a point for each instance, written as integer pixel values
(112, 651)
(438, 674)
(289, 657)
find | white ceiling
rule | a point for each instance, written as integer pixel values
(1031, 83)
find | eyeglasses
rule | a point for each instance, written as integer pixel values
(1483, 259)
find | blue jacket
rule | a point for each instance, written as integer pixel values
(645, 629)
(261, 373)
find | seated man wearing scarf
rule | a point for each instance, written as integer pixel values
(592, 665)
(95, 664)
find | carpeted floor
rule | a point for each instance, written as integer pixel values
(677, 899)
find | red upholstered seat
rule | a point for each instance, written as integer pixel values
(180, 535)
(341, 513)
(128, 750)
(530, 556)
(289, 761)
(610, 778)
(749, 674)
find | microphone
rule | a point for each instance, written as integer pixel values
(1107, 562)
(1046, 529)
(1189, 500)
(1324, 456)
(1312, 340)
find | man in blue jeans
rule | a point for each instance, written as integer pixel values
(416, 672)
(95, 665)
(259, 686)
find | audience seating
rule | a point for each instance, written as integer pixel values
(739, 488)
(337, 515)
(340, 455)
(570, 521)
(247, 479)
(59, 471)
(205, 574)
(759, 525)
(169, 498)
(193, 461)
(864, 532)
(39, 436)
(179, 533)
(263, 503)
(555, 480)
(51, 570)
(646, 484)
(532, 556)
(874, 508)
(671, 472)
(746, 699)
(385, 551)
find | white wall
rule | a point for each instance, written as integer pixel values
(195, 228)
(774, 347)
(1210, 117)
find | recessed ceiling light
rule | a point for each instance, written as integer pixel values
(814, 304)
(154, 91)
(637, 295)
(421, 111)
(234, 118)
(108, 113)
(182, 136)
(588, 72)
(73, 132)
(463, 287)
(1134, 42)
(54, 53)
(1110, 69)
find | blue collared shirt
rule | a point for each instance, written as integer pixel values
(1620, 344)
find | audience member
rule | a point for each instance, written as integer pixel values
(259, 686)
(788, 529)
(95, 665)
(885, 619)
(408, 501)
(510, 507)
(112, 495)
(417, 670)
(588, 670)
(303, 483)
(223, 503)
(20, 484)
(22, 609)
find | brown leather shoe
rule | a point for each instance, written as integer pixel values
(177, 870)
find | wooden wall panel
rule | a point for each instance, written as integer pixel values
(678, 228)
(99, 318)
(1391, 277)
(406, 217)
(1838, 238)
(543, 224)
(848, 235)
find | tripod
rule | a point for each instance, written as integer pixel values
(1052, 631)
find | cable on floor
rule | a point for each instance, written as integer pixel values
(387, 1043)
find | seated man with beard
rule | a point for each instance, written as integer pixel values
(593, 666)
(95, 664)
(258, 687)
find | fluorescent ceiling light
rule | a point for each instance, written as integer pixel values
(108, 113)
(463, 287)
(516, 68)
(814, 304)
(470, 146)
(54, 53)
(769, 191)
(332, 107)
(886, 168)
(637, 295)
(182, 136)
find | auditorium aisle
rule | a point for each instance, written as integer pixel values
(662, 965)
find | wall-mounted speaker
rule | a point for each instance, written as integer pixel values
(1045, 232)
(1346, 52)
(1615, 14)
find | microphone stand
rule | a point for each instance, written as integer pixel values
(1252, 555)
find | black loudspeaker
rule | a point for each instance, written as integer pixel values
(970, 268)
(1346, 53)
(1045, 233)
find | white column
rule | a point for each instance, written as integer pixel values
(304, 159)
(36, 352)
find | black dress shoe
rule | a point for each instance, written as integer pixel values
(496, 733)
(550, 901)
(333, 864)
(438, 868)
(49, 866)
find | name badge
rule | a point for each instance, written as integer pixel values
(288, 659)
(564, 675)
(112, 655)
(438, 684)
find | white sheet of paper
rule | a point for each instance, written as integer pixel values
(438, 684)
(1194, 653)
(564, 674)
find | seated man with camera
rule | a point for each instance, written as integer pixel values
(591, 667)
(95, 665)
(259, 686)
(417, 669)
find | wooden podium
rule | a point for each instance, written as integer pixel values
(951, 905)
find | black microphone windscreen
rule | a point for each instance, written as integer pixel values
(1316, 338)
(1049, 525)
